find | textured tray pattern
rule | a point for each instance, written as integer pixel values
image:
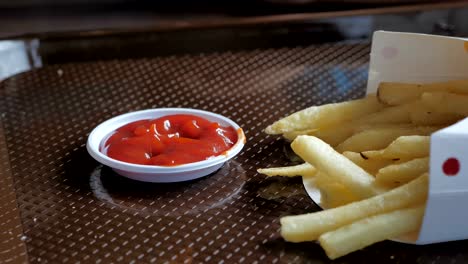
(12, 248)
(74, 209)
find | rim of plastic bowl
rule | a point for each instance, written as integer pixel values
(103, 130)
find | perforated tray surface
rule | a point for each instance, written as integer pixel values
(75, 210)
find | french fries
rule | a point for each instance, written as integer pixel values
(335, 165)
(391, 115)
(424, 116)
(304, 169)
(290, 136)
(325, 115)
(396, 116)
(380, 138)
(400, 93)
(336, 134)
(370, 165)
(447, 103)
(404, 147)
(309, 227)
(402, 173)
(328, 190)
(368, 231)
(391, 93)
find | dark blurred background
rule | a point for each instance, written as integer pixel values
(34, 33)
(20, 17)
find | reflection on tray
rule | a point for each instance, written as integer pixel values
(168, 199)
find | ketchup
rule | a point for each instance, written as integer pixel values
(169, 140)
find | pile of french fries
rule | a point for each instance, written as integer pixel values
(370, 160)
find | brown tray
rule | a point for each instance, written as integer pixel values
(59, 205)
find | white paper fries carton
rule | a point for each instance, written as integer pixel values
(418, 58)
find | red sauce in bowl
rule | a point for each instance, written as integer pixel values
(170, 140)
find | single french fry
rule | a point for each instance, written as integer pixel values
(371, 230)
(392, 93)
(404, 147)
(365, 127)
(391, 115)
(333, 194)
(325, 115)
(400, 93)
(290, 136)
(403, 172)
(304, 169)
(372, 166)
(322, 178)
(308, 227)
(336, 166)
(448, 103)
(424, 116)
(334, 135)
(380, 138)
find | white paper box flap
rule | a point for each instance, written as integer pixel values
(418, 58)
(408, 57)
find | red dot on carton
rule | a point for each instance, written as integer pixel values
(451, 167)
(389, 52)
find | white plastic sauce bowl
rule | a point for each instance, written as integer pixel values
(152, 173)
